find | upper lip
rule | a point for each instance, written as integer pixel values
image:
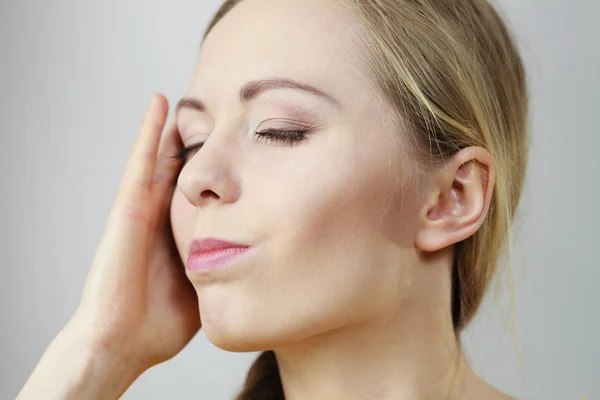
(212, 244)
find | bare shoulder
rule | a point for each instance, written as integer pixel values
(479, 389)
(502, 396)
(488, 392)
(475, 387)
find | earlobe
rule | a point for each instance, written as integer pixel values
(460, 200)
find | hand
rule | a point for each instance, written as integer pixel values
(138, 304)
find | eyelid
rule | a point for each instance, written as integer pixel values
(194, 128)
(188, 130)
(295, 123)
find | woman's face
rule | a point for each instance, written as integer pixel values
(331, 219)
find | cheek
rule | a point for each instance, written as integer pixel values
(328, 236)
(182, 215)
(344, 194)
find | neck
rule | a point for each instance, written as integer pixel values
(413, 354)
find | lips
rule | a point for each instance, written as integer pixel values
(210, 254)
(212, 244)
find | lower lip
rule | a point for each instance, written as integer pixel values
(214, 259)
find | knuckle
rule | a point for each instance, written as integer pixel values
(133, 209)
(137, 215)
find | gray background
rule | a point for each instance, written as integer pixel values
(75, 78)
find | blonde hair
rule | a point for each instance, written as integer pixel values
(452, 72)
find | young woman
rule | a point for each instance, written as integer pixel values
(334, 190)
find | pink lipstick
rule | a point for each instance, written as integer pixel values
(211, 253)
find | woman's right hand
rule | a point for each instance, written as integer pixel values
(138, 304)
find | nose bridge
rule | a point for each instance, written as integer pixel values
(211, 174)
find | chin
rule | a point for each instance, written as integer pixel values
(243, 339)
(237, 321)
(241, 335)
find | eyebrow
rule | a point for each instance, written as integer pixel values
(253, 88)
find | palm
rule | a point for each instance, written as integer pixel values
(172, 301)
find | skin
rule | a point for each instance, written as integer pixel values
(348, 277)
(351, 242)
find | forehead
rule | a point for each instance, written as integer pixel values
(308, 40)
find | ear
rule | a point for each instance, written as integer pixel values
(458, 200)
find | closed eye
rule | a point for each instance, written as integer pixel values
(290, 137)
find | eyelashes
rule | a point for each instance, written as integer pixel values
(288, 137)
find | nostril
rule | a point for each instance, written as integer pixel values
(208, 194)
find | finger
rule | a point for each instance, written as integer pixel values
(134, 194)
(123, 249)
(167, 167)
(141, 163)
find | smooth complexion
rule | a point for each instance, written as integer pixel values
(349, 281)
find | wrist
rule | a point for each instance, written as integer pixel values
(72, 369)
(99, 373)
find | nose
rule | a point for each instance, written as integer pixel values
(209, 175)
